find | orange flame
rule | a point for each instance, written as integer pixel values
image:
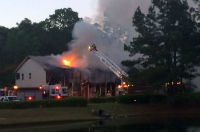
(66, 62)
(71, 60)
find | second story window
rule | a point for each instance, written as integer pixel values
(22, 76)
(17, 76)
(29, 75)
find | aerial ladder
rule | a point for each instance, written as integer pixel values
(125, 84)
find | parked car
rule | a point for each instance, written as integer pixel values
(9, 98)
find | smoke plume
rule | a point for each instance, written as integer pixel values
(110, 28)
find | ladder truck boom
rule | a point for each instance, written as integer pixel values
(108, 62)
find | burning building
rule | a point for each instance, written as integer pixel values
(36, 71)
(81, 72)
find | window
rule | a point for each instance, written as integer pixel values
(29, 75)
(17, 76)
(22, 76)
(64, 90)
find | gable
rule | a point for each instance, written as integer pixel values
(30, 66)
(30, 75)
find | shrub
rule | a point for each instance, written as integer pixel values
(192, 99)
(141, 99)
(19, 105)
(103, 100)
(158, 98)
(136, 99)
(75, 101)
(126, 99)
(71, 101)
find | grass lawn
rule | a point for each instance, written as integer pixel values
(43, 118)
(42, 115)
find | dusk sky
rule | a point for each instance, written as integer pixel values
(14, 11)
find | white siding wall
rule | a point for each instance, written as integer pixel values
(38, 75)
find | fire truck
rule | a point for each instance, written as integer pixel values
(125, 83)
(54, 91)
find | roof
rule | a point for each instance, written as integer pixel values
(46, 62)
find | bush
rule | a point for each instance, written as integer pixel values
(19, 105)
(192, 99)
(71, 101)
(130, 99)
(158, 98)
(103, 100)
(181, 100)
(126, 99)
(75, 101)
(141, 99)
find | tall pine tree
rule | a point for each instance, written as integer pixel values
(166, 48)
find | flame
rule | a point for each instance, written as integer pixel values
(124, 85)
(89, 48)
(179, 83)
(66, 62)
(119, 86)
(72, 59)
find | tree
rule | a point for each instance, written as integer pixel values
(167, 45)
(62, 19)
(59, 28)
(3, 38)
(21, 42)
